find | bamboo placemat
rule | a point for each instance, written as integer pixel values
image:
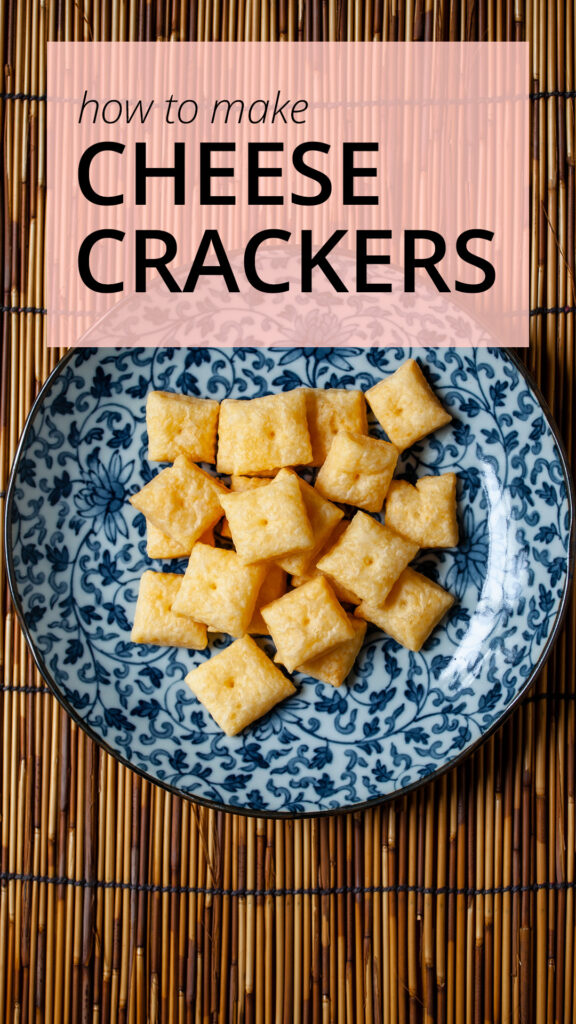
(121, 902)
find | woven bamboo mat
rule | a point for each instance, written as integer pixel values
(120, 902)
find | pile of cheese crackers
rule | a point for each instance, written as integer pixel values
(309, 565)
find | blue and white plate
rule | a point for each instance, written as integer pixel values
(76, 552)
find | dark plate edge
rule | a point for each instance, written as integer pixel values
(288, 815)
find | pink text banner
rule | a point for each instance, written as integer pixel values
(212, 193)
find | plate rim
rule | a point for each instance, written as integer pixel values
(249, 811)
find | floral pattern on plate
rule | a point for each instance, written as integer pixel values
(77, 550)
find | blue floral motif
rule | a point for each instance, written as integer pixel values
(103, 497)
(78, 551)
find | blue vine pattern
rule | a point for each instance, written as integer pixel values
(79, 551)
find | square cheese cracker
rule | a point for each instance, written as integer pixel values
(368, 558)
(242, 483)
(154, 620)
(182, 501)
(334, 666)
(219, 590)
(261, 435)
(406, 406)
(268, 522)
(413, 608)
(324, 517)
(425, 513)
(239, 685)
(181, 425)
(330, 410)
(357, 470)
(306, 622)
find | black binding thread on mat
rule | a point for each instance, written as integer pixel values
(549, 94)
(23, 96)
(343, 890)
(23, 309)
(545, 94)
(537, 311)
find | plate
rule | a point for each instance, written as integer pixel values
(76, 551)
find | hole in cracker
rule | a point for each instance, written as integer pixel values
(213, 586)
(230, 684)
(368, 560)
(263, 522)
